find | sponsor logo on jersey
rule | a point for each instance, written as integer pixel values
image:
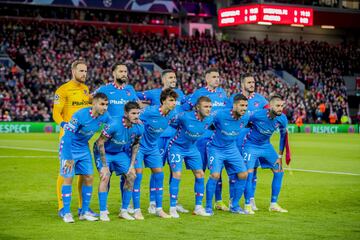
(218, 104)
(193, 134)
(89, 133)
(119, 142)
(230, 134)
(80, 103)
(118, 102)
(155, 130)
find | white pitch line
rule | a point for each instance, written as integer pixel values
(50, 150)
(324, 172)
(29, 156)
(32, 149)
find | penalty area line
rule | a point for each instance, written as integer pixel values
(52, 156)
(30, 149)
(320, 171)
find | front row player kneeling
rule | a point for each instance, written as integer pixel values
(75, 156)
(111, 153)
(258, 147)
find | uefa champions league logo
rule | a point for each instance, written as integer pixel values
(140, 5)
(107, 3)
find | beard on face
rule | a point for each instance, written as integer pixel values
(121, 80)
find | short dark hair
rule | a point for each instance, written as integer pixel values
(100, 95)
(247, 75)
(275, 96)
(131, 105)
(239, 97)
(113, 68)
(166, 71)
(203, 99)
(168, 92)
(210, 70)
(77, 62)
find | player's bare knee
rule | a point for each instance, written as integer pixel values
(215, 176)
(199, 173)
(156, 170)
(67, 181)
(105, 180)
(139, 170)
(250, 170)
(88, 180)
(176, 175)
(242, 175)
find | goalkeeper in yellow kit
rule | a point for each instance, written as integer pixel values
(69, 98)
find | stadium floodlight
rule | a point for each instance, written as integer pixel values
(327, 27)
(265, 23)
(297, 25)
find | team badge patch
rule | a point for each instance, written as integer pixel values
(74, 121)
(56, 99)
(127, 93)
(256, 104)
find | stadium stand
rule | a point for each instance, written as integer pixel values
(44, 51)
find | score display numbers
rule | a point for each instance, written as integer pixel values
(273, 14)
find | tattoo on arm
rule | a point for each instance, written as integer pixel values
(101, 147)
(134, 150)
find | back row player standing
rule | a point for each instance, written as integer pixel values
(255, 102)
(168, 78)
(119, 92)
(219, 101)
(69, 98)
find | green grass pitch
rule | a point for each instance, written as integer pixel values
(321, 205)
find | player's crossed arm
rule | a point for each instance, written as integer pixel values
(99, 149)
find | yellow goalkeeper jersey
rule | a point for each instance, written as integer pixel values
(69, 98)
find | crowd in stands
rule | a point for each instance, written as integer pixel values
(83, 14)
(45, 51)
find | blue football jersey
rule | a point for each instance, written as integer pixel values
(218, 98)
(120, 136)
(262, 127)
(189, 128)
(82, 126)
(155, 123)
(227, 128)
(118, 97)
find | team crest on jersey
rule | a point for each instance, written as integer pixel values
(74, 121)
(256, 104)
(106, 127)
(133, 135)
(127, 93)
(220, 95)
(56, 99)
(277, 125)
(206, 126)
(241, 125)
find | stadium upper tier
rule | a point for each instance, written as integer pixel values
(45, 52)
